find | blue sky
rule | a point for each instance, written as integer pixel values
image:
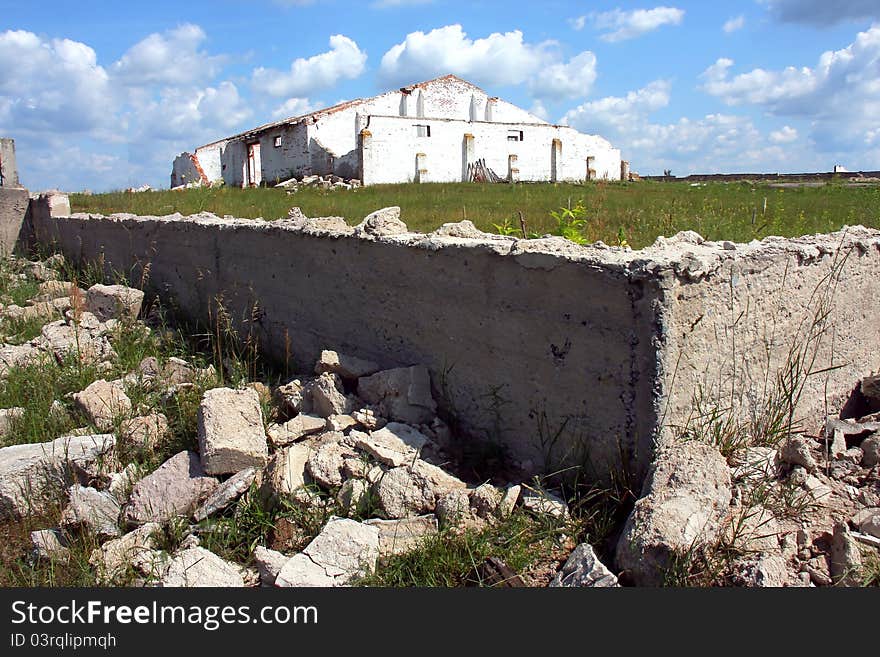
(102, 95)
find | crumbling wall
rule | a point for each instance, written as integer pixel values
(565, 355)
(783, 319)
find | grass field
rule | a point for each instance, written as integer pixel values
(635, 212)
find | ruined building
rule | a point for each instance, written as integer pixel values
(435, 131)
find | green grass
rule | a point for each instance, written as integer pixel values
(449, 559)
(636, 212)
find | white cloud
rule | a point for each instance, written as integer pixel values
(822, 12)
(191, 115)
(498, 59)
(840, 95)
(294, 107)
(715, 142)
(344, 60)
(784, 135)
(540, 111)
(170, 58)
(614, 113)
(572, 79)
(51, 85)
(734, 24)
(578, 23)
(621, 25)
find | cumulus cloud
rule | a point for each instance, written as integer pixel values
(734, 24)
(615, 113)
(344, 60)
(498, 59)
(170, 58)
(840, 94)
(294, 107)
(571, 79)
(51, 85)
(822, 12)
(193, 115)
(714, 142)
(784, 135)
(620, 25)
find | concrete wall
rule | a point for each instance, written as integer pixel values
(8, 166)
(565, 354)
(13, 210)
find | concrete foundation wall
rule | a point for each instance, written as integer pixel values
(567, 355)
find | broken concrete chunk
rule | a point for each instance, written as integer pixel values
(761, 570)
(51, 290)
(176, 488)
(285, 473)
(342, 552)
(327, 397)
(846, 558)
(485, 499)
(226, 493)
(17, 356)
(145, 432)
(396, 444)
(121, 483)
(404, 535)
(381, 223)
(795, 450)
(290, 398)
(412, 490)
(48, 544)
(340, 423)
(402, 394)
(103, 402)
(115, 560)
(544, 502)
(755, 464)
(353, 496)
(327, 463)
(453, 509)
(508, 501)
(348, 367)
(685, 498)
(868, 522)
(583, 568)
(198, 567)
(64, 340)
(269, 563)
(871, 451)
(91, 510)
(114, 301)
(367, 419)
(281, 435)
(30, 473)
(231, 434)
(463, 230)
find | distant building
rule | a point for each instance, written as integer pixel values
(435, 131)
